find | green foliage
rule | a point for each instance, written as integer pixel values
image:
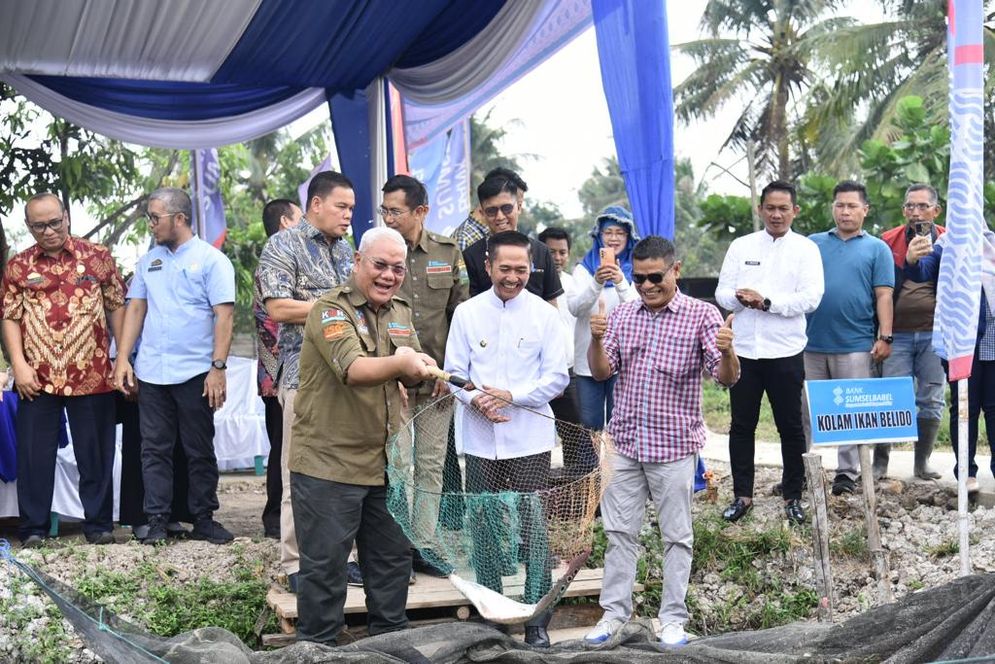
(46, 640)
(851, 544)
(946, 549)
(726, 216)
(166, 606)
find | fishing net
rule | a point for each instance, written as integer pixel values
(510, 533)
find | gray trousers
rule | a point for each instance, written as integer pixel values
(671, 486)
(824, 366)
(329, 516)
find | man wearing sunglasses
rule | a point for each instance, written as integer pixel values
(498, 196)
(296, 267)
(912, 351)
(770, 279)
(658, 346)
(58, 296)
(473, 227)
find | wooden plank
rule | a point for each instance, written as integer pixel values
(820, 533)
(432, 592)
(878, 554)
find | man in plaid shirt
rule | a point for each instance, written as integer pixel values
(658, 345)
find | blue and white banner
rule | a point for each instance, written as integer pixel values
(861, 410)
(958, 289)
(443, 166)
(208, 208)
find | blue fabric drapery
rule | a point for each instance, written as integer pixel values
(635, 71)
(350, 124)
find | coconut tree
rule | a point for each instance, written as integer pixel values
(758, 55)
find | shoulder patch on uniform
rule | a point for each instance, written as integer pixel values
(329, 315)
(334, 330)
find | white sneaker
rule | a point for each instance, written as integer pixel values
(972, 485)
(603, 630)
(673, 634)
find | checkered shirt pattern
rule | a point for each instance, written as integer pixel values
(986, 344)
(659, 358)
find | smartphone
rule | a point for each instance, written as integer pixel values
(924, 228)
(607, 256)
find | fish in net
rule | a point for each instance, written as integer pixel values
(510, 533)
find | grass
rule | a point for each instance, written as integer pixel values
(945, 549)
(851, 544)
(763, 599)
(715, 404)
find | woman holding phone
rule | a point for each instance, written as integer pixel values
(602, 280)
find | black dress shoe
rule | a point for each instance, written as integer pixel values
(736, 510)
(537, 637)
(793, 510)
(843, 484)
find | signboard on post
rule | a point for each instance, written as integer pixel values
(861, 410)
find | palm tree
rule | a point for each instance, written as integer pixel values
(765, 67)
(872, 67)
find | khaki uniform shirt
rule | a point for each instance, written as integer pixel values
(340, 431)
(435, 284)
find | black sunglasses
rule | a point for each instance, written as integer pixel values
(653, 277)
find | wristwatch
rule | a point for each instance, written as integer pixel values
(219, 365)
(766, 306)
(887, 338)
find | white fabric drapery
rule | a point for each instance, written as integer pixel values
(165, 40)
(178, 135)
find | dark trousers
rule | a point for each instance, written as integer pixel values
(782, 379)
(274, 483)
(91, 421)
(578, 452)
(328, 517)
(171, 413)
(980, 397)
(497, 547)
(131, 510)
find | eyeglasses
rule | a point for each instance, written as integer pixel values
(920, 207)
(614, 232)
(393, 212)
(505, 209)
(154, 219)
(380, 266)
(42, 226)
(652, 277)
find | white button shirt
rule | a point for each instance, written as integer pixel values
(785, 270)
(516, 346)
(569, 320)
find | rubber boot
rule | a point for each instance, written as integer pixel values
(881, 455)
(924, 447)
(535, 630)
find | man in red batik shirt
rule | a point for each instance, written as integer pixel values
(57, 298)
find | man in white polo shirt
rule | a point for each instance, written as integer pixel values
(509, 343)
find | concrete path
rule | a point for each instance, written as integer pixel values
(899, 466)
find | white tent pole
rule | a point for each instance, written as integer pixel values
(962, 471)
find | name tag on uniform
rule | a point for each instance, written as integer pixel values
(438, 267)
(155, 265)
(753, 263)
(398, 330)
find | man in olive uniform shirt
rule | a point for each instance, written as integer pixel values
(348, 403)
(436, 282)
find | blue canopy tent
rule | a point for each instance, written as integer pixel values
(196, 75)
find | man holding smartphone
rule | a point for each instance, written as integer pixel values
(912, 351)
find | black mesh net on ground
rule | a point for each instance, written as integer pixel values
(951, 623)
(498, 525)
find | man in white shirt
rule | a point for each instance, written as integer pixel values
(565, 406)
(508, 342)
(770, 279)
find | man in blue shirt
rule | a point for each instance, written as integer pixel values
(182, 303)
(850, 331)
